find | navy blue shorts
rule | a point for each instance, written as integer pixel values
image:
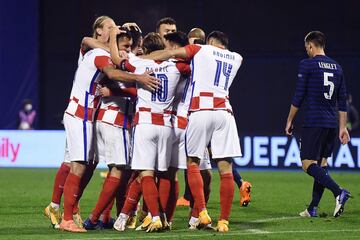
(317, 143)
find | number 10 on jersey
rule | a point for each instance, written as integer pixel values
(161, 93)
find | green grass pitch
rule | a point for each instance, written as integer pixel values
(276, 200)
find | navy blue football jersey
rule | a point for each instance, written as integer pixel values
(321, 85)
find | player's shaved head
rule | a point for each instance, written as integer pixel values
(316, 37)
(219, 37)
(153, 42)
(197, 33)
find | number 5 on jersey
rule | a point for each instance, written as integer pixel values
(162, 92)
(327, 82)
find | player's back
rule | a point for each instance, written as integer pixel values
(87, 75)
(84, 97)
(159, 102)
(213, 71)
(323, 83)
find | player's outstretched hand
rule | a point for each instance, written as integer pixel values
(344, 136)
(116, 30)
(148, 81)
(123, 55)
(289, 128)
(105, 92)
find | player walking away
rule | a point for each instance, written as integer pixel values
(321, 84)
(101, 29)
(112, 141)
(211, 120)
(153, 127)
(165, 25)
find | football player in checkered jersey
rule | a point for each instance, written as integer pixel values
(211, 120)
(153, 127)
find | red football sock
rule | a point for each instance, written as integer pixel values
(89, 171)
(171, 205)
(151, 194)
(107, 194)
(71, 191)
(144, 206)
(106, 214)
(132, 197)
(164, 192)
(196, 185)
(226, 194)
(122, 191)
(59, 183)
(194, 212)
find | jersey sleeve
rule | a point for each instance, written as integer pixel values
(301, 85)
(191, 50)
(125, 65)
(341, 98)
(102, 62)
(183, 67)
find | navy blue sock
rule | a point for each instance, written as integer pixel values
(323, 178)
(237, 177)
(317, 193)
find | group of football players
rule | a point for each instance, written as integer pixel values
(147, 107)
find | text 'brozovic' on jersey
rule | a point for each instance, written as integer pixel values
(321, 84)
(222, 64)
(156, 107)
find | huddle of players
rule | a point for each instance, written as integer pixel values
(100, 116)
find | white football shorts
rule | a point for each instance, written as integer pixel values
(79, 139)
(112, 144)
(151, 147)
(215, 128)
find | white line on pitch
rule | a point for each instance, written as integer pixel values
(273, 219)
(232, 233)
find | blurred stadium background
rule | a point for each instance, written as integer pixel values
(39, 50)
(41, 39)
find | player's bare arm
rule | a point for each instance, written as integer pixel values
(289, 122)
(114, 50)
(149, 82)
(343, 132)
(163, 55)
(89, 43)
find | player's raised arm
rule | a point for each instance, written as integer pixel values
(149, 82)
(114, 50)
(163, 55)
(89, 43)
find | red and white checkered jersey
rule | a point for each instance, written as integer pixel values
(119, 108)
(84, 97)
(156, 107)
(81, 56)
(213, 71)
(182, 103)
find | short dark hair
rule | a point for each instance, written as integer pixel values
(123, 35)
(152, 42)
(178, 38)
(165, 20)
(316, 37)
(219, 36)
(136, 37)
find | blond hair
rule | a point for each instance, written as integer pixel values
(99, 23)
